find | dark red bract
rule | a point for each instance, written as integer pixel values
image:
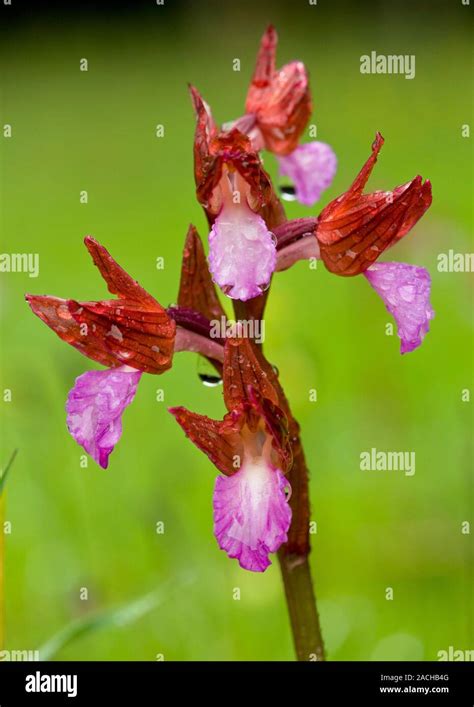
(356, 228)
(133, 330)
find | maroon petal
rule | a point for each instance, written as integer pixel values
(355, 229)
(244, 369)
(218, 439)
(280, 99)
(196, 289)
(134, 329)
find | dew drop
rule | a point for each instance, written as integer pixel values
(207, 373)
(287, 192)
(210, 381)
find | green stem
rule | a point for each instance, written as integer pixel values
(301, 602)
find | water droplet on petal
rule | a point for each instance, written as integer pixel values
(287, 192)
(208, 375)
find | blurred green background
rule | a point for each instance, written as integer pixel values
(76, 527)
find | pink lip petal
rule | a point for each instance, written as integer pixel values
(95, 406)
(242, 253)
(251, 514)
(405, 290)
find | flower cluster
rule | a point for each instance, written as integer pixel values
(256, 446)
